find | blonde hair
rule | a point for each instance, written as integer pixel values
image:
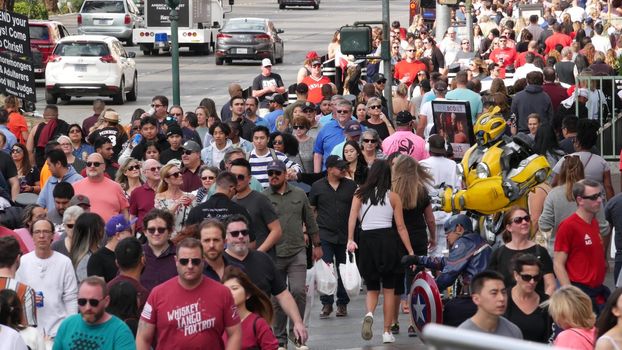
(409, 181)
(570, 305)
(163, 186)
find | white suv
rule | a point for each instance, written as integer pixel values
(90, 65)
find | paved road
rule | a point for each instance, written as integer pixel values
(305, 29)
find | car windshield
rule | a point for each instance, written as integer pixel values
(39, 33)
(103, 7)
(245, 25)
(81, 49)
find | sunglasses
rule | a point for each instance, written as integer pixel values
(277, 142)
(186, 152)
(175, 175)
(344, 111)
(160, 230)
(16, 150)
(133, 167)
(204, 178)
(74, 131)
(93, 164)
(274, 172)
(92, 302)
(369, 141)
(298, 127)
(527, 278)
(155, 169)
(593, 197)
(519, 219)
(238, 233)
(316, 65)
(194, 261)
(375, 107)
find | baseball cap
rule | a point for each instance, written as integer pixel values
(311, 55)
(191, 146)
(80, 200)
(316, 61)
(352, 128)
(459, 219)
(118, 223)
(403, 118)
(440, 86)
(266, 62)
(437, 144)
(333, 161)
(278, 98)
(174, 130)
(308, 105)
(379, 77)
(277, 165)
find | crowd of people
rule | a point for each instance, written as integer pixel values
(195, 229)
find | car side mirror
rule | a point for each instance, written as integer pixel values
(280, 31)
(131, 54)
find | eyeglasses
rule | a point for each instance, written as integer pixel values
(519, 219)
(133, 167)
(160, 230)
(527, 277)
(155, 169)
(343, 111)
(175, 175)
(369, 141)
(194, 261)
(17, 150)
(205, 178)
(238, 233)
(187, 152)
(375, 107)
(274, 172)
(93, 164)
(298, 127)
(69, 225)
(92, 302)
(593, 197)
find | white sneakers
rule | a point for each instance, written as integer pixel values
(366, 330)
(387, 337)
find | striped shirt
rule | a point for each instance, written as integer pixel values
(259, 165)
(26, 296)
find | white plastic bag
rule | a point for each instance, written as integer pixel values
(310, 290)
(350, 276)
(325, 278)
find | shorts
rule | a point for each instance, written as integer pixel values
(380, 252)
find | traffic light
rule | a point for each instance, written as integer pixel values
(356, 40)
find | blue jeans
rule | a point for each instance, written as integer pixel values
(335, 254)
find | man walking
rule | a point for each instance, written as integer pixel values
(93, 327)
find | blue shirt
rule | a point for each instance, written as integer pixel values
(325, 119)
(75, 333)
(428, 96)
(329, 136)
(46, 199)
(475, 100)
(83, 151)
(10, 138)
(271, 117)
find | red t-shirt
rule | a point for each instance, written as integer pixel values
(582, 242)
(507, 55)
(17, 124)
(557, 38)
(190, 319)
(315, 88)
(520, 58)
(409, 70)
(256, 334)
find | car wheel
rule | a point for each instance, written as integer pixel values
(133, 94)
(316, 6)
(219, 61)
(50, 98)
(129, 41)
(119, 98)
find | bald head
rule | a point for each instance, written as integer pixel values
(95, 167)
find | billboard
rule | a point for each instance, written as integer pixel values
(16, 61)
(452, 120)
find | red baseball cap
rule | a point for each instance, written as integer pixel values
(311, 55)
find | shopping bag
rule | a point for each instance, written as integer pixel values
(325, 278)
(350, 276)
(310, 290)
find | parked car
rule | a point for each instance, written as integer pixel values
(249, 39)
(43, 37)
(314, 3)
(91, 65)
(109, 17)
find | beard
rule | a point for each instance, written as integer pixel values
(93, 317)
(275, 187)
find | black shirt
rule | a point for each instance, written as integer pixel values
(102, 263)
(333, 208)
(139, 151)
(261, 82)
(116, 136)
(416, 226)
(501, 261)
(169, 154)
(262, 272)
(210, 273)
(220, 207)
(535, 326)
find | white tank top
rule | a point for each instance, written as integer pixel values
(377, 216)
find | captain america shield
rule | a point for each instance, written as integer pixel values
(426, 305)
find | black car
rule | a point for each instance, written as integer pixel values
(249, 39)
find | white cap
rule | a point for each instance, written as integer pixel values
(266, 62)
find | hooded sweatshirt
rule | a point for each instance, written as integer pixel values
(532, 100)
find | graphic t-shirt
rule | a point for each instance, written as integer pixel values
(74, 333)
(190, 319)
(261, 82)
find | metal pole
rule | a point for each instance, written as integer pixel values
(386, 58)
(469, 23)
(442, 21)
(175, 55)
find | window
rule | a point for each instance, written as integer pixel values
(103, 7)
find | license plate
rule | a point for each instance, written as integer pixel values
(241, 51)
(80, 68)
(101, 22)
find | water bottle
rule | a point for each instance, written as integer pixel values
(39, 304)
(136, 139)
